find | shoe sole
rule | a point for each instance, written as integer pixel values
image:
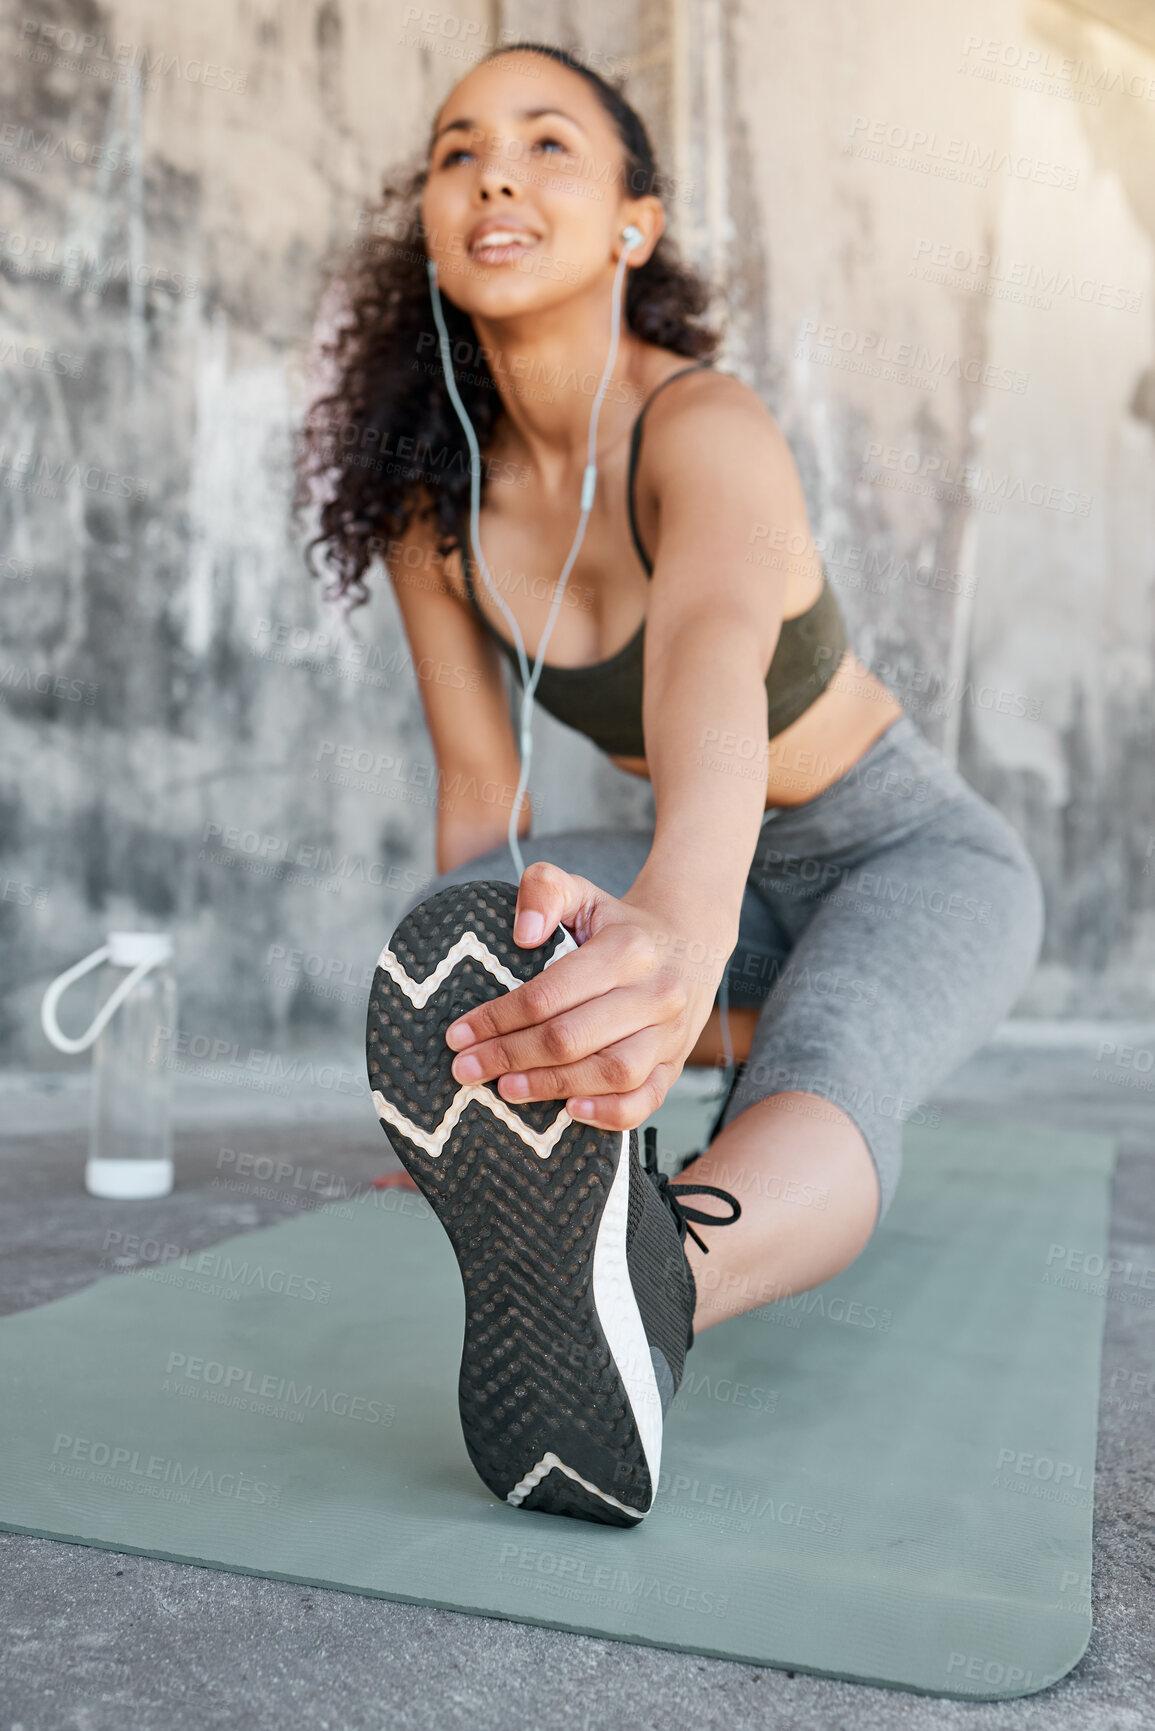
(559, 1401)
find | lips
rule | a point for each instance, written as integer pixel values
(498, 239)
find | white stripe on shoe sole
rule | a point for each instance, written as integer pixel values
(617, 1308)
(545, 1466)
(419, 992)
(431, 1142)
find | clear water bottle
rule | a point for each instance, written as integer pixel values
(130, 1129)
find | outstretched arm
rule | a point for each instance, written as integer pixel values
(609, 1026)
(722, 470)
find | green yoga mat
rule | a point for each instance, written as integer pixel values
(888, 1479)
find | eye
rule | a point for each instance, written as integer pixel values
(454, 156)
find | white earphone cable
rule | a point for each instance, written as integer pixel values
(589, 483)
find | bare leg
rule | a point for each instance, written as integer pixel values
(809, 1193)
(709, 1047)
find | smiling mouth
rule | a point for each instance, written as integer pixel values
(501, 244)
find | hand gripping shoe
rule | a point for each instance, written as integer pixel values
(579, 1299)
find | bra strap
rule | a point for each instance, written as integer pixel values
(635, 447)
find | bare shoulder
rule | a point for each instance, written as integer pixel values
(712, 417)
(713, 437)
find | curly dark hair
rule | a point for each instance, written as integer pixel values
(385, 400)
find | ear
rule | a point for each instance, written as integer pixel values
(647, 216)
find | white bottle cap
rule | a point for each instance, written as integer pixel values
(130, 949)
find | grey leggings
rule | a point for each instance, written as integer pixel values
(886, 927)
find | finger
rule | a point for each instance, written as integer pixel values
(614, 956)
(547, 896)
(616, 1068)
(564, 1040)
(625, 1111)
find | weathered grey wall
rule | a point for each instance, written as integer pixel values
(173, 695)
(934, 230)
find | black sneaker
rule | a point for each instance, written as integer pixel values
(579, 1299)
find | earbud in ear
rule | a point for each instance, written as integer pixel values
(632, 236)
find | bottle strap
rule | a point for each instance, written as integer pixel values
(104, 1015)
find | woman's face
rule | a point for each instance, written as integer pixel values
(524, 149)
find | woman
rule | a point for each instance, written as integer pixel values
(874, 916)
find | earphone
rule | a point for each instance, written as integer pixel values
(633, 237)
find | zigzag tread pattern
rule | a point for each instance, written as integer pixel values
(536, 1371)
(406, 1042)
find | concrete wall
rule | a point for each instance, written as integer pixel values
(934, 242)
(935, 235)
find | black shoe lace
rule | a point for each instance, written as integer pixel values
(669, 1193)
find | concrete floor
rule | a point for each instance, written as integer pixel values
(97, 1641)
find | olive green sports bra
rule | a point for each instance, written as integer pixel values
(603, 700)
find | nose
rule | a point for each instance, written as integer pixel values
(496, 179)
